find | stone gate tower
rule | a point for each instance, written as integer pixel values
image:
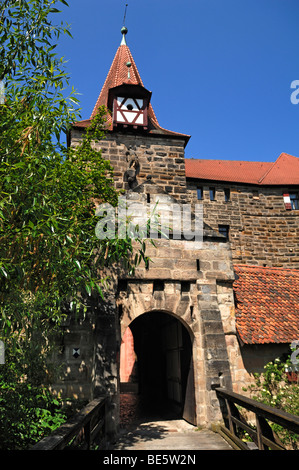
(179, 311)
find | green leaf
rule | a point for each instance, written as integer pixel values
(88, 289)
(100, 291)
(3, 271)
(77, 263)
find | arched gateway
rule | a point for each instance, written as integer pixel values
(177, 335)
(156, 361)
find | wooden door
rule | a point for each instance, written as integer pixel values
(179, 369)
(189, 413)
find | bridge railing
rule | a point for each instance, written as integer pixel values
(262, 434)
(81, 431)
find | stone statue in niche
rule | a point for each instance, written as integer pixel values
(132, 172)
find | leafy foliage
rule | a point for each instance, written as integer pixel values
(50, 257)
(28, 411)
(49, 253)
(273, 388)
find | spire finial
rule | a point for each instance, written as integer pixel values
(128, 64)
(124, 30)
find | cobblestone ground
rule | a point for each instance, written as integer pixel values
(136, 409)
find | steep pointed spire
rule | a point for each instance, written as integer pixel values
(123, 71)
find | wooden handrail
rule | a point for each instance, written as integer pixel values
(84, 428)
(263, 436)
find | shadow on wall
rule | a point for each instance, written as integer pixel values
(256, 356)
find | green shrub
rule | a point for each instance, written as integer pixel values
(27, 412)
(273, 388)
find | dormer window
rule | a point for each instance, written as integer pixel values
(129, 110)
(129, 105)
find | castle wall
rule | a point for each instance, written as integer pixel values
(261, 230)
(159, 157)
(196, 278)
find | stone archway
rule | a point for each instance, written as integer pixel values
(157, 362)
(200, 315)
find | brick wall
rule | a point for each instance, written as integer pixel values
(161, 158)
(261, 231)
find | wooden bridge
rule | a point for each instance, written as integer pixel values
(87, 430)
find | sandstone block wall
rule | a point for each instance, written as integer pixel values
(160, 158)
(195, 305)
(261, 231)
(75, 359)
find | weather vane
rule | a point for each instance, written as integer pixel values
(125, 13)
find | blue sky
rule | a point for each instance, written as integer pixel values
(219, 70)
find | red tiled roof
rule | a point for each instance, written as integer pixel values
(285, 170)
(267, 304)
(118, 75)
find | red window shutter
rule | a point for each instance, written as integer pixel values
(287, 201)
